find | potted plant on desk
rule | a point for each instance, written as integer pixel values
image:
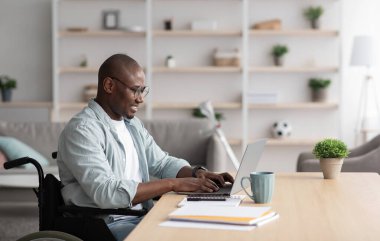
(6, 85)
(331, 153)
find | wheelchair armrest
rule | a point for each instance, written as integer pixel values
(96, 211)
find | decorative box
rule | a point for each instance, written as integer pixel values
(227, 58)
(273, 24)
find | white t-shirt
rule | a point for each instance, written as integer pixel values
(132, 166)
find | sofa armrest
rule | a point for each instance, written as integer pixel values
(217, 158)
(369, 162)
(307, 163)
(366, 147)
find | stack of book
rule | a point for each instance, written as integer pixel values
(235, 216)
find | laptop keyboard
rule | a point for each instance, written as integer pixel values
(206, 197)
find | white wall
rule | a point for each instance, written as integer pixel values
(25, 53)
(358, 19)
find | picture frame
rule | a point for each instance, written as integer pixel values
(111, 19)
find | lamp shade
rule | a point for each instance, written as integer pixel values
(363, 51)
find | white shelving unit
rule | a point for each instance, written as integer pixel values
(176, 91)
(91, 41)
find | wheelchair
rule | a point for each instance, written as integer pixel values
(58, 221)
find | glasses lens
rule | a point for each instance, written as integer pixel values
(142, 91)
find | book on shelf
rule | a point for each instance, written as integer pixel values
(223, 214)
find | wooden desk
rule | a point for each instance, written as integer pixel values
(310, 208)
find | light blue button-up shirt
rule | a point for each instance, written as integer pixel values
(91, 160)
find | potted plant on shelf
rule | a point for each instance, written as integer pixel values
(278, 52)
(313, 14)
(6, 85)
(331, 153)
(319, 89)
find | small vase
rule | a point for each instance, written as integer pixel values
(331, 167)
(6, 95)
(278, 61)
(170, 62)
(319, 95)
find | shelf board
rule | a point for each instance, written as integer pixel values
(75, 70)
(279, 142)
(81, 105)
(196, 33)
(218, 105)
(286, 69)
(72, 105)
(291, 142)
(304, 105)
(173, 106)
(26, 104)
(100, 33)
(295, 32)
(207, 69)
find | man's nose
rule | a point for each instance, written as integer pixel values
(140, 99)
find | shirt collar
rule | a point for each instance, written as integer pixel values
(102, 115)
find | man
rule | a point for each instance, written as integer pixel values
(105, 155)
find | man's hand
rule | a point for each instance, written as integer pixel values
(148, 190)
(219, 179)
(191, 184)
(205, 177)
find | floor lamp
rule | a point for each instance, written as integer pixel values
(363, 54)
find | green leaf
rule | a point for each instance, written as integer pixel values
(330, 148)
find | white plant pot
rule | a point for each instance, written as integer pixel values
(331, 167)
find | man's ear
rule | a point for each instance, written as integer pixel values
(108, 85)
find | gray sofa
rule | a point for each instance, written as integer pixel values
(190, 139)
(364, 158)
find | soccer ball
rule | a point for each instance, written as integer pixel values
(281, 129)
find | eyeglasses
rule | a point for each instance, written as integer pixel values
(137, 91)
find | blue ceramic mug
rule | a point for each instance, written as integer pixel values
(262, 186)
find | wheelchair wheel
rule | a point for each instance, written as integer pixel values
(49, 236)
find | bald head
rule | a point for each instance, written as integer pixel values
(117, 65)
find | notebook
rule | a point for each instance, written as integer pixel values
(248, 164)
(224, 215)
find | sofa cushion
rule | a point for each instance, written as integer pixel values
(41, 136)
(14, 149)
(187, 139)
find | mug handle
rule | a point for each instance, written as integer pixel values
(242, 186)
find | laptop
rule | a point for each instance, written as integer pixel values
(248, 164)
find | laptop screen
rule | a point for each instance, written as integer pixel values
(248, 163)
